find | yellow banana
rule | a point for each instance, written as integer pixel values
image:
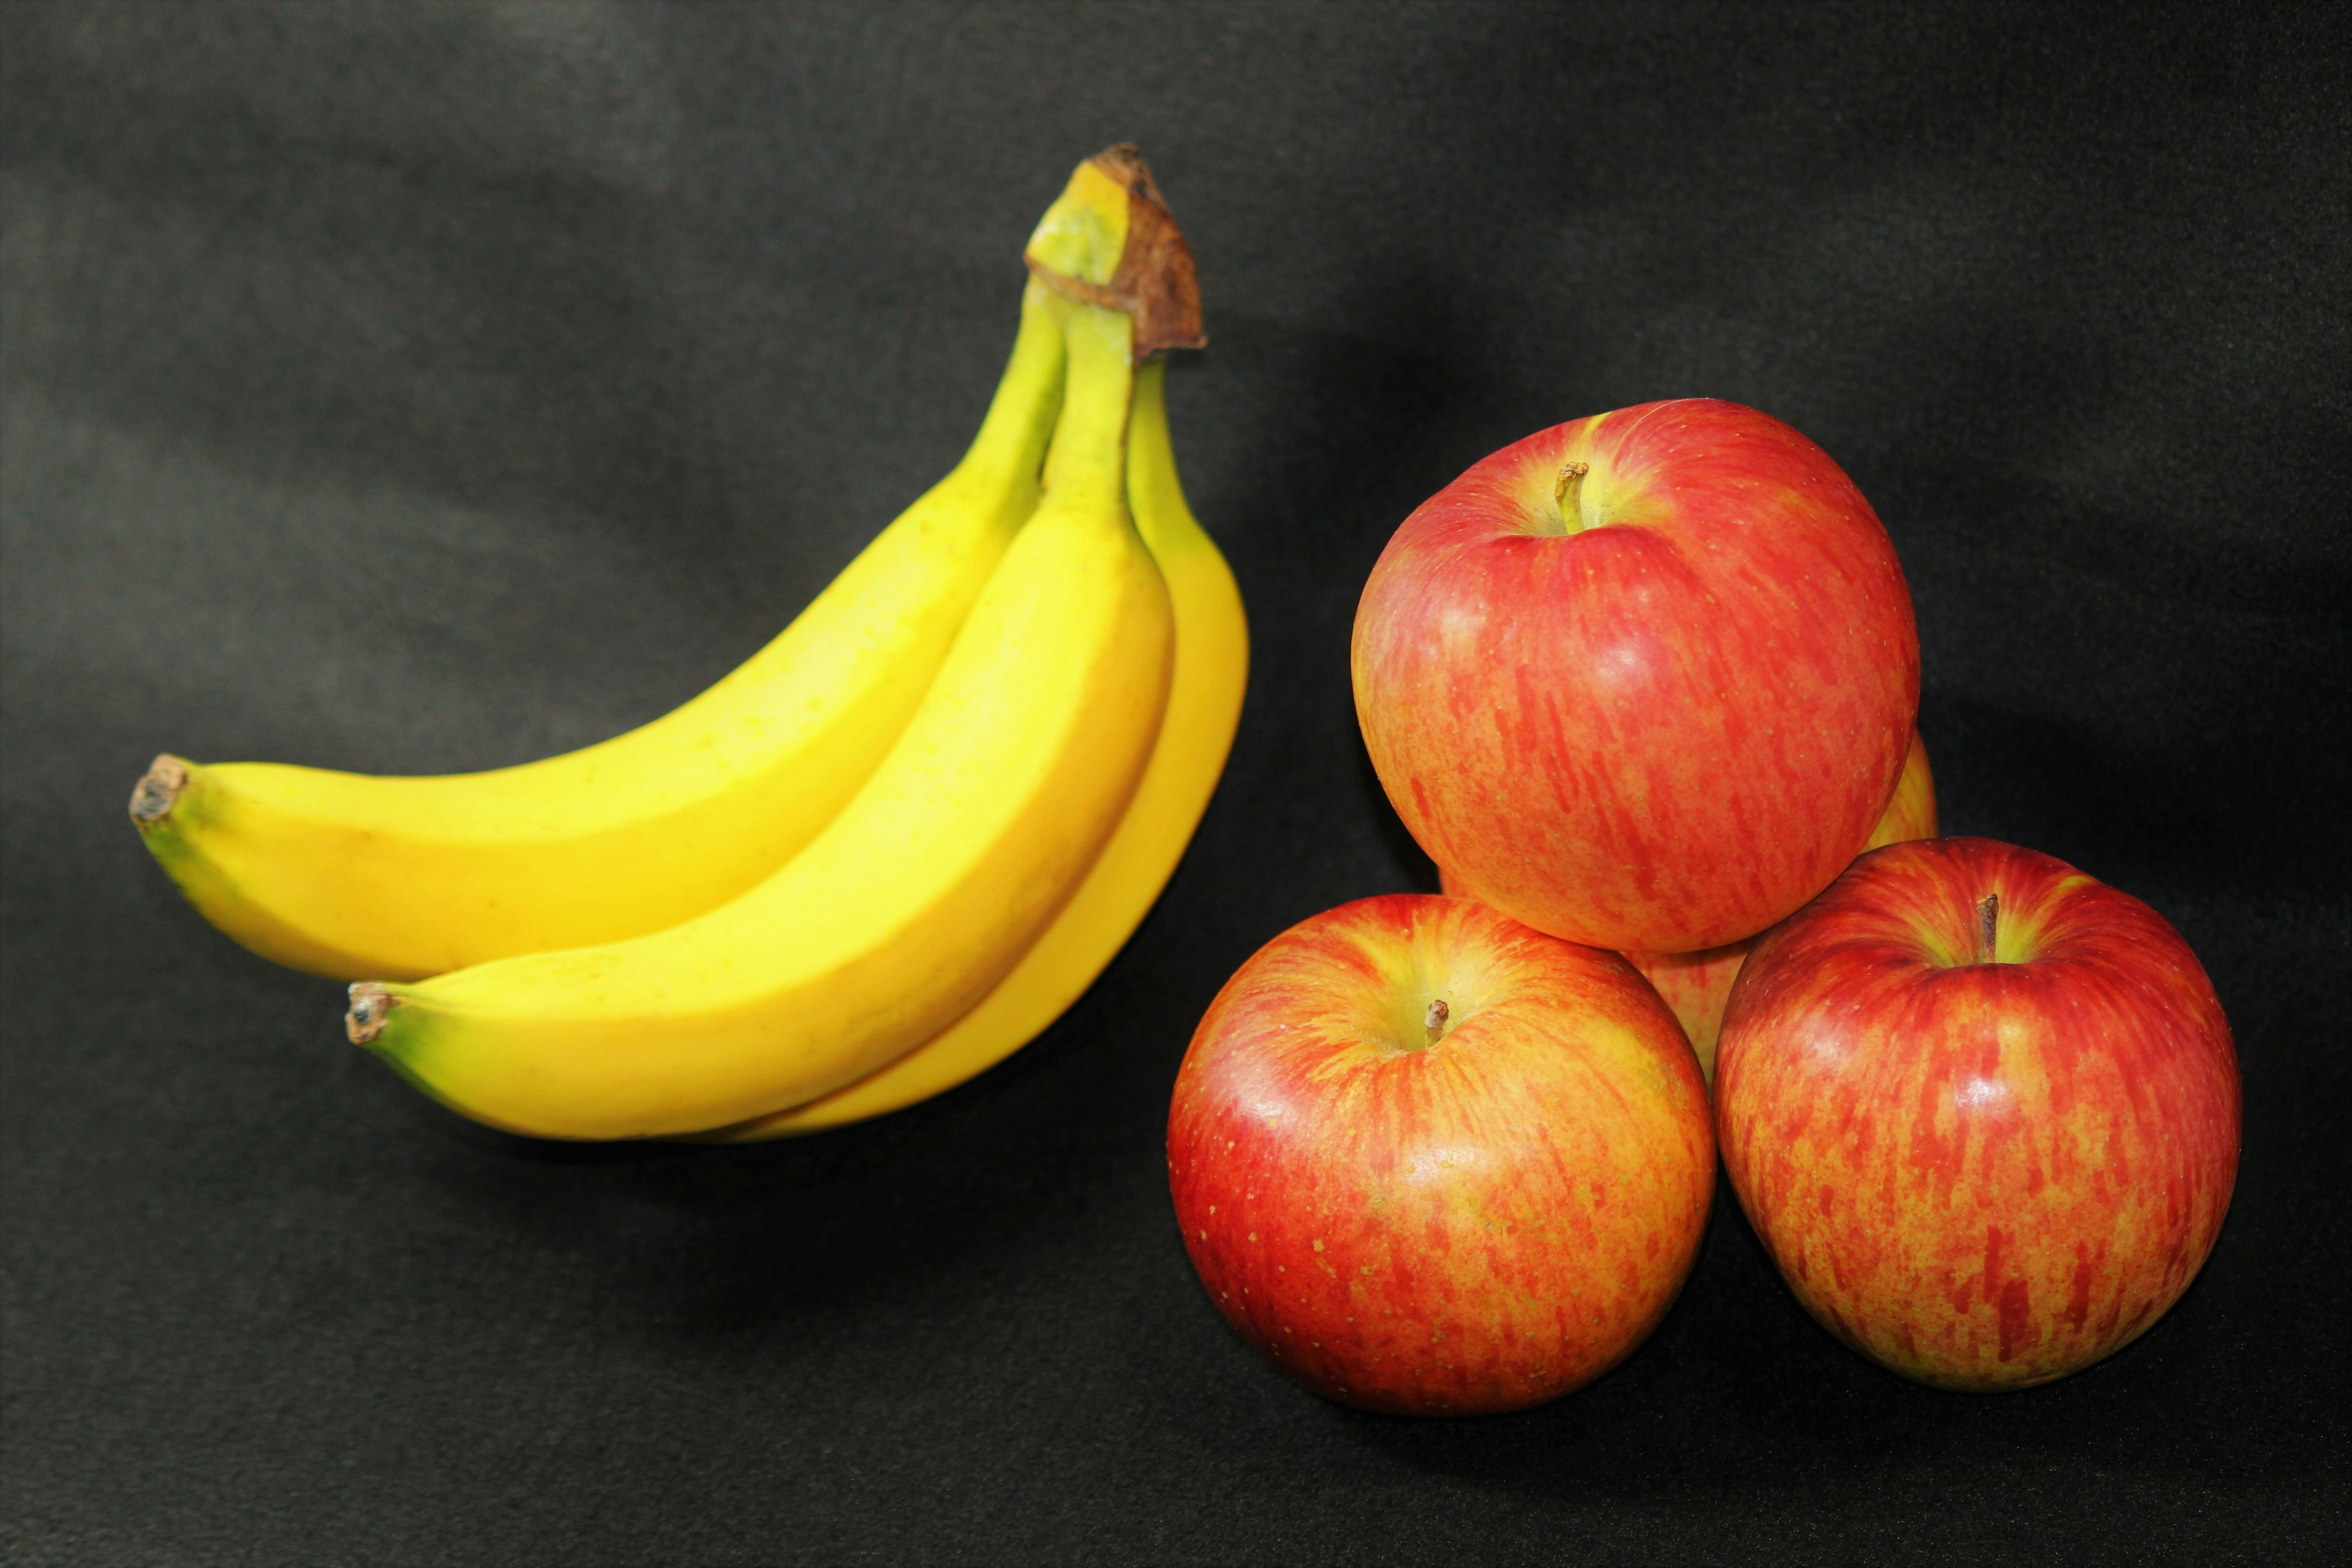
(1204, 704)
(349, 875)
(903, 911)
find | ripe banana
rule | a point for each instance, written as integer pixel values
(905, 910)
(1204, 704)
(349, 875)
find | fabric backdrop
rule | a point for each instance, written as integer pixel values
(411, 389)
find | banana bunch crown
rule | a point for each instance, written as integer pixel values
(1111, 242)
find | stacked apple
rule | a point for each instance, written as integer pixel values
(1645, 685)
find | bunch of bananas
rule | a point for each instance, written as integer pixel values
(876, 859)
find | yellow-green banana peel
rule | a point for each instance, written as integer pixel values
(351, 875)
(904, 911)
(1205, 705)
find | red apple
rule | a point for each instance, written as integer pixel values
(1698, 985)
(1695, 985)
(1912, 813)
(1644, 679)
(1985, 1163)
(1433, 1162)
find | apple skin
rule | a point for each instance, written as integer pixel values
(1476, 1224)
(1698, 985)
(1981, 1175)
(1668, 727)
(1911, 813)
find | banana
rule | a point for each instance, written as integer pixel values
(911, 904)
(349, 875)
(1204, 704)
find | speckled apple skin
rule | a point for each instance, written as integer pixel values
(1698, 985)
(1983, 1176)
(1479, 1226)
(1664, 731)
(1695, 985)
(1911, 813)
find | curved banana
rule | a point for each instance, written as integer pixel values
(349, 875)
(1205, 705)
(904, 911)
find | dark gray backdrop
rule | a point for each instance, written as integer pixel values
(423, 387)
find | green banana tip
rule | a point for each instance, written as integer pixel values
(159, 790)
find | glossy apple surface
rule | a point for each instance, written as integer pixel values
(1695, 985)
(1698, 985)
(1656, 706)
(1982, 1174)
(1473, 1217)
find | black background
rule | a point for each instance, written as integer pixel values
(435, 387)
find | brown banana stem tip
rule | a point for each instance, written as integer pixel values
(1155, 285)
(371, 1004)
(159, 791)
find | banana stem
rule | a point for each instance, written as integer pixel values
(1019, 427)
(1088, 464)
(1150, 459)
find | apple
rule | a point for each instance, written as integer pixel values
(1698, 985)
(1644, 679)
(1695, 985)
(1911, 813)
(1433, 1161)
(1983, 1110)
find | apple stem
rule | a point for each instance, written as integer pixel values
(1434, 1019)
(1988, 925)
(1564, 493)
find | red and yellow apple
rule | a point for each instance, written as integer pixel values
(1644, 679)
(1698, 985)
(1983, 1110)
(1433, 1161)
